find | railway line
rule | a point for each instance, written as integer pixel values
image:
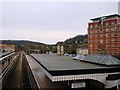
(5, 60)
(20, 72)
(17, 74)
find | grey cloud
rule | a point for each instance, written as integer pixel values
(52, 16)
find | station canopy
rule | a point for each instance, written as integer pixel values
(2, 54)
(103, 59)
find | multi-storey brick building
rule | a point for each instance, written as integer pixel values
(104, 35)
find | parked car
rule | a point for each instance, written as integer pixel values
(79, 57)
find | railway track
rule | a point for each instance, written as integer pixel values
(6, 69)
(17, 75)
(5, 60)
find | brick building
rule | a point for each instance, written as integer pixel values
(104, 35)
(7, 47)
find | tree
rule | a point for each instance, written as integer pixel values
(71, 48)
(54, 49)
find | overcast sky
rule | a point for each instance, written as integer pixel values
(50, 22)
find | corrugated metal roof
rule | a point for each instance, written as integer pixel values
(104, 59)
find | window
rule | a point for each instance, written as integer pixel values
(96, 35)
(106, 34)
(113, 39)
(112, 35)
(95, 25)
(112, 23)
(107, 46)
(91, 36)
(90, 41)
(101, 41)
(106, 40)
(107, 24)
(112, 46)
(107, 30)
(112, 29)
(101, 30)
(91, 26)
(96, 40)
(119, 29)
(95, 31)
(91, 32)
(95, 46)
(101, 35)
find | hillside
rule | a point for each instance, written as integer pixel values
(70, 44)
(77, 39)
(21, 44)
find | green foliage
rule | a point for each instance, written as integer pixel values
(77, 39)
(76, 42)
(71, 49)
(70, 45)
(54, 49)
(27, 45)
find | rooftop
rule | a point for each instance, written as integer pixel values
(107, 16)
(56, 62)
(64, 65)
(103, 59)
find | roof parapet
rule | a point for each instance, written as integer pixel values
(106, 17)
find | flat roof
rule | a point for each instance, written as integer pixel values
(113, 15)
(56, 62)
(65, 65)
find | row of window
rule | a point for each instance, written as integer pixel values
(107, 45)
(113, 47)
(106, 41)
(106, 24)
(106, 35)
(104, 30)
(109, 52)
